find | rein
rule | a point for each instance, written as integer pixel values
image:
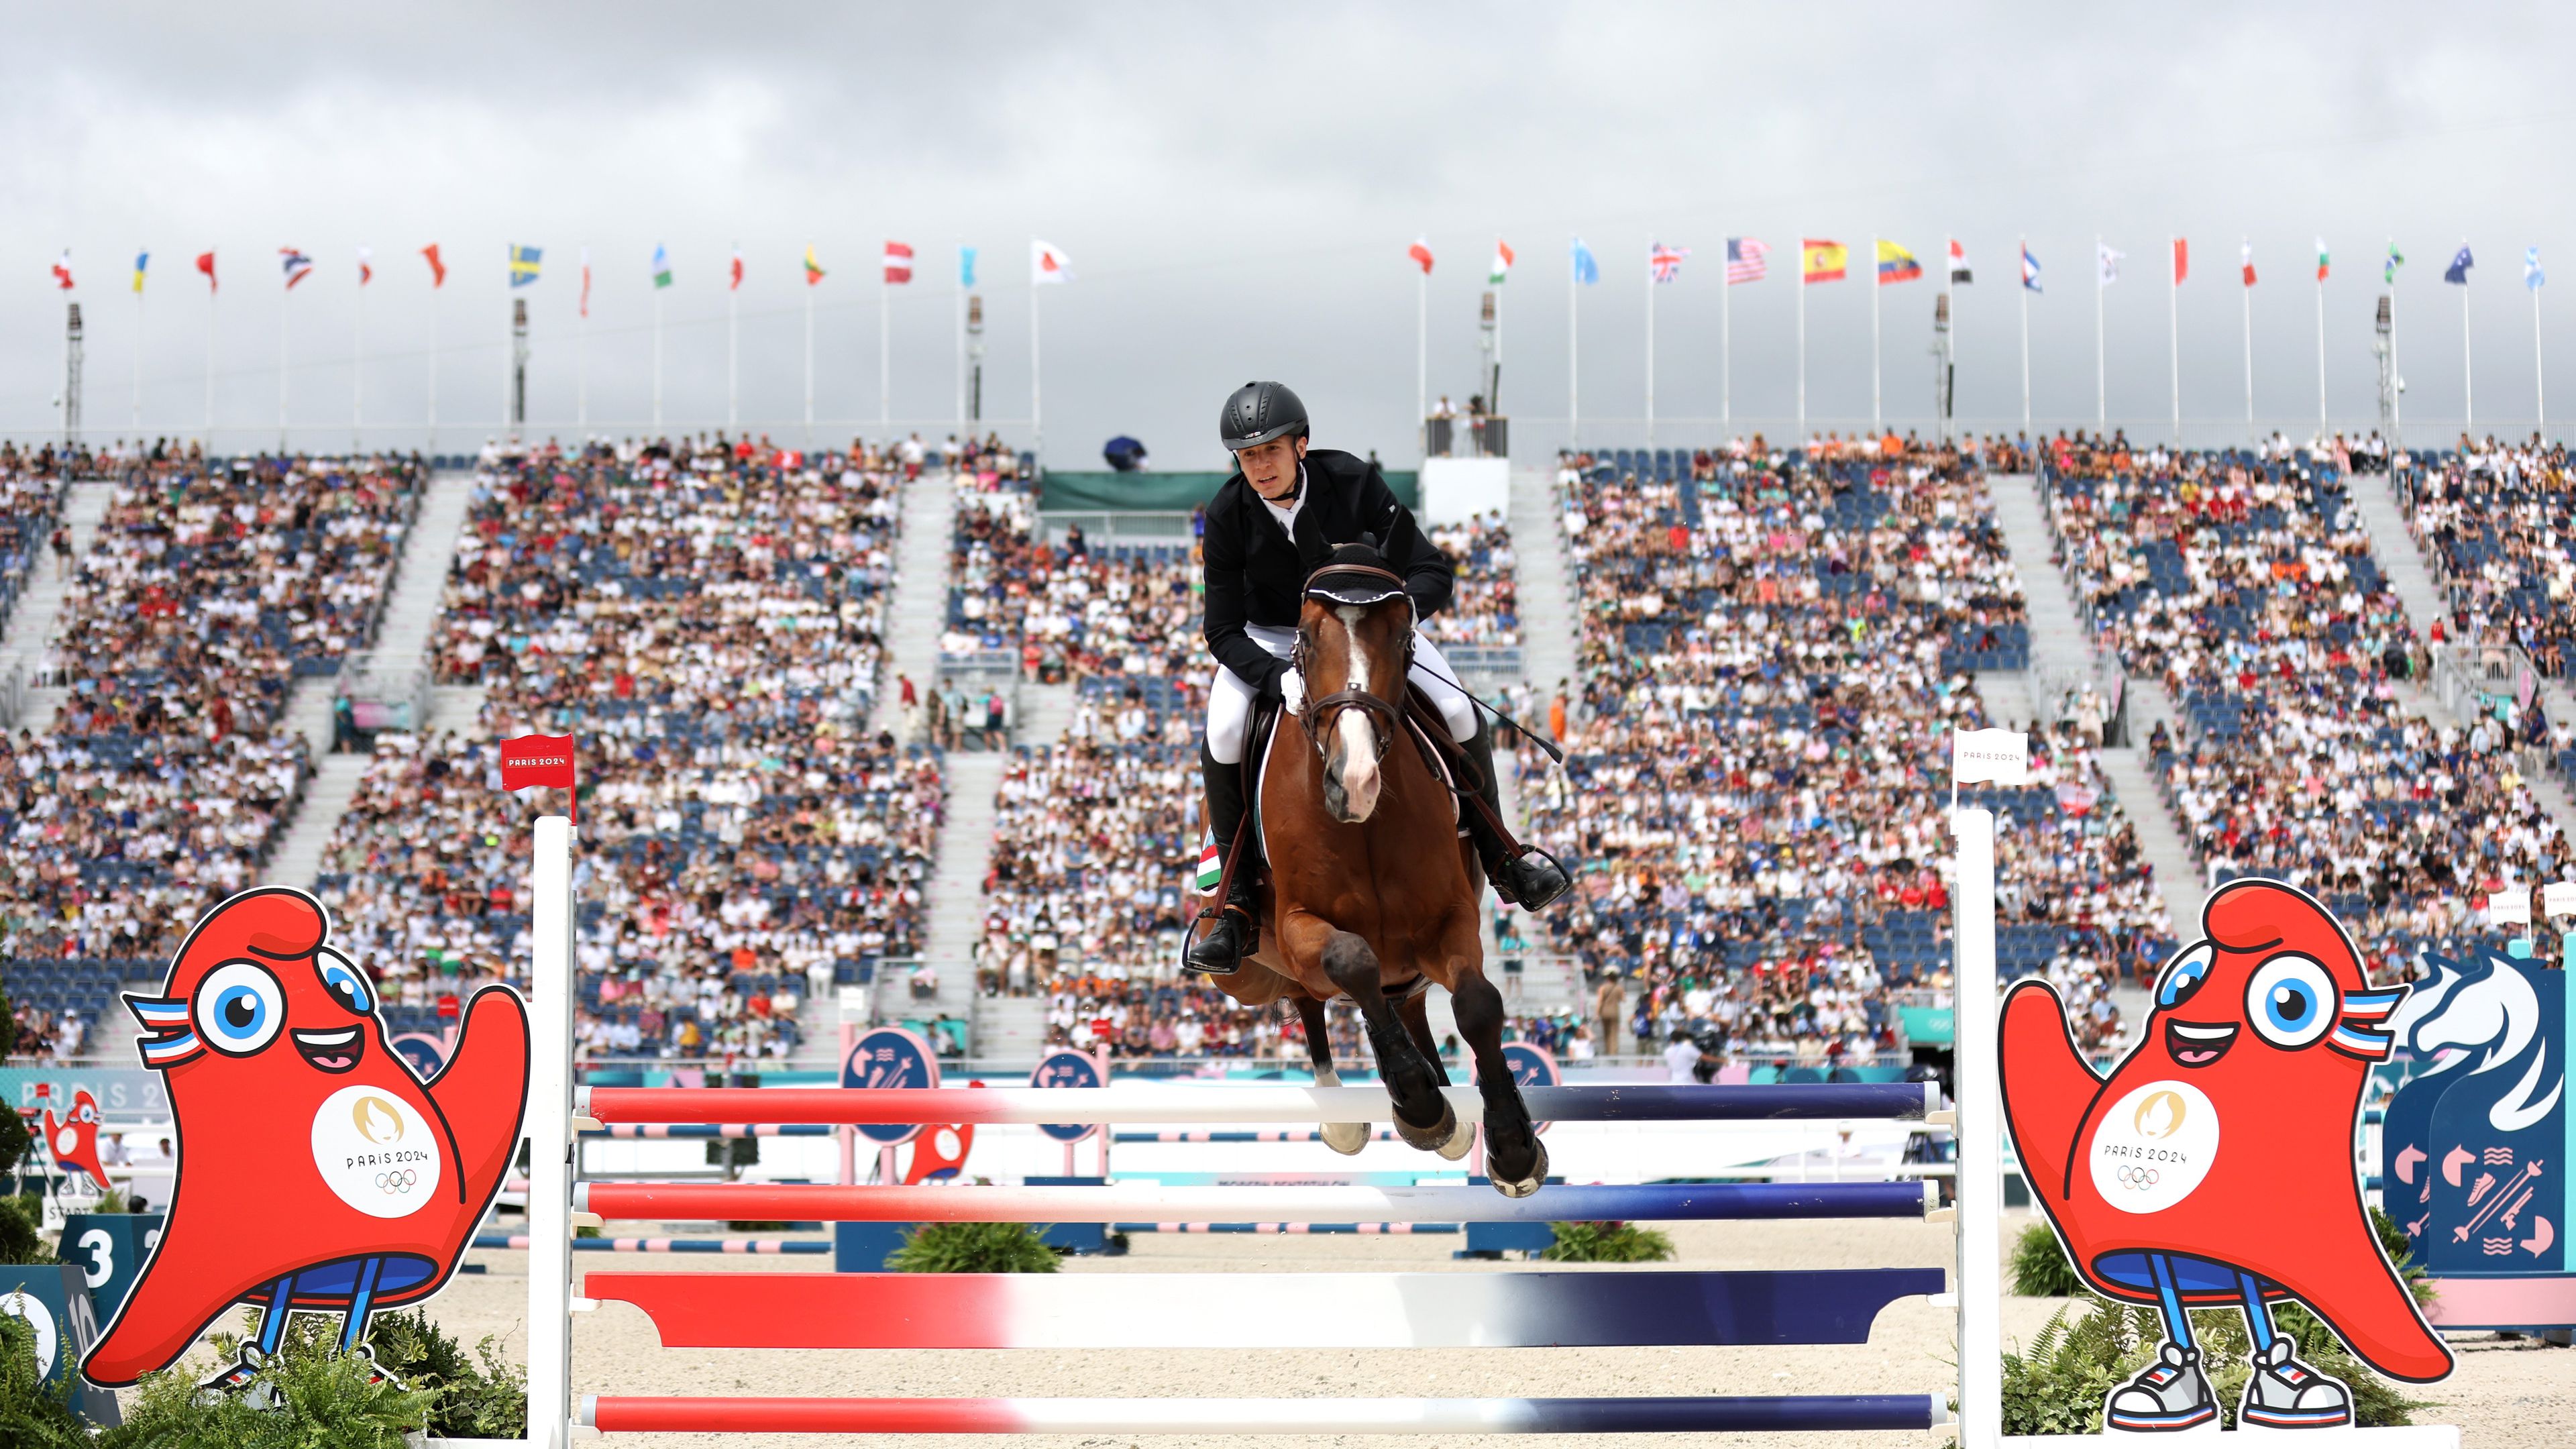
(1352, 584)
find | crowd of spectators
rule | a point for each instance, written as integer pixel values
(1067, 608)
(2500, 524)
(705, 620)
(1484, 605)
(2245, 584)
(167, 773)
(1775, 650)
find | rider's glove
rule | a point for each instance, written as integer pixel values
(1292, 691)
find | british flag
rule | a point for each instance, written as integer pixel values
(1746, 260)
(1667, 261)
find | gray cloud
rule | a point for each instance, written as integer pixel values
(1237, 186)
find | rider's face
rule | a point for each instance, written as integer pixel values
(1271, 467)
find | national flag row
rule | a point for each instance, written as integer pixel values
(1820, 260)
(1048, 264)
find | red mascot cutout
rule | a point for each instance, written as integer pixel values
(73, 1141)
(2215, 1168)
(314, 1170)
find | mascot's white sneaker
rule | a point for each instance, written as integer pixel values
(2171, 1394)
(2287, 1394)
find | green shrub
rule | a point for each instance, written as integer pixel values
(326, 1400)
(22, 1239)
(973, 1248)
(2058, 1383)
(30, 1417)
(480, 1397)
(1607, 1243)
(2039, 1268)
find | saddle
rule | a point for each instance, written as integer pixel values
(1423, 725)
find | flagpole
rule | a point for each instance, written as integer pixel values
(138, 357)
(1422, 355)
(885, 356)
(1726, 352)
(2248, 290)
(2396, 392)
(1872, 275)
(1037, 423)
(1799, 441)
(581, 356)
(437, 293)
(657, 355)
(733, 334)
(1949, 364)
(2539, 387)
(1650, 342)
(958, 336)
(2021, 270)
(1574, 353)
(358, 372)
(2468, 386)
(210, 369)
(2173, 329)
(285, 298)
(809, 362)
(2101, 395)
(509, 341)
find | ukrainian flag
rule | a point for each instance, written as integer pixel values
(1821, 261)
(523, 265)
(1896, 264)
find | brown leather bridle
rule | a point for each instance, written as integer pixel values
(1373, 586)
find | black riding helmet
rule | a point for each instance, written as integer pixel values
(1259, 412)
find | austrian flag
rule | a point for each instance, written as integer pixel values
(898, 262)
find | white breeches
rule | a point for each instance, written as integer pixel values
(1230, 699)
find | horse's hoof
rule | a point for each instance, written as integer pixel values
(1432, 1138)
(1346, 1138)
(1522, 1187)
(1460, 1142)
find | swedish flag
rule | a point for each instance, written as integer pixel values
(523, 265)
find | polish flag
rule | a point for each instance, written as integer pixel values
(736, 284)
(2248, 254)
(898, 262)
(1420, 251)
(2182, 261)
(63, 271)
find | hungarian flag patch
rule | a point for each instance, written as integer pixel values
(1211, 868)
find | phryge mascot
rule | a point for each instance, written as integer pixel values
(315, 1171)
(2216, 1167)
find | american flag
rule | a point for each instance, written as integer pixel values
(1747, 260)
(1667, 261)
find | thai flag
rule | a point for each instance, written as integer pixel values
(298, 266)
(1667, 261)
(898, 262)
(1747, 260)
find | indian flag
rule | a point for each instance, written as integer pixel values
(1502, 264)
(1211, 867)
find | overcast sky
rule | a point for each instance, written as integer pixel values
(1236, 187)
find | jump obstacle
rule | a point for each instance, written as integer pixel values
(1354, 1310)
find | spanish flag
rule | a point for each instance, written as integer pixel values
(1896, 264)
(1821, 261)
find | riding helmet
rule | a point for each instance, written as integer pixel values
(1259, 412)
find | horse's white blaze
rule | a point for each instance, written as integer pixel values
(1359, 746)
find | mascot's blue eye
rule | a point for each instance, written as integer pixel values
(2291, 1001)
(2183, 976)
(239, 1008)
(344, 983)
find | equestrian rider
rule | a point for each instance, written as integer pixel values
(1270, 526)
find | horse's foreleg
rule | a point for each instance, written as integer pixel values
(1415, 1009)
(1346, 1138)
(1514, 1157)
(1422, 1115)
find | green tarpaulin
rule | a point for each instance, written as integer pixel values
(1161, 492)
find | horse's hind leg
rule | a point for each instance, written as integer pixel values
(1422, 1115)
(1514, 1157)
(1346, 1138)
(1415, 1009)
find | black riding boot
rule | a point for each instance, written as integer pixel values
(1237, 932)
(1531, 880)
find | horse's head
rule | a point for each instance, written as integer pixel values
(1354, 647)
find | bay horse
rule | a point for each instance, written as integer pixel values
(1372, 893)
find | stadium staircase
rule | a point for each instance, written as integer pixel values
(402, 642)
(40, 604)
(920, 598)
(1550, 607)
(2061, 648)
